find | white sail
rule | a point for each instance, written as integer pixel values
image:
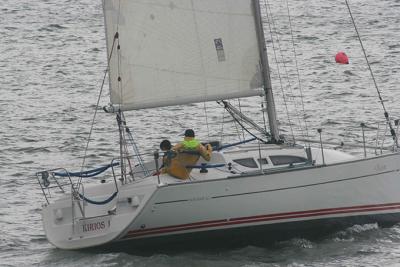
(181, 51)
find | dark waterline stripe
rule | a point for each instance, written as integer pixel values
(260, 218)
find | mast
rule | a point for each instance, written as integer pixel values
(269, 97)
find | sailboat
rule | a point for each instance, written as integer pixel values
(165, 53)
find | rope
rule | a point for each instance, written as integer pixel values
(103, 202)
(86, 174)
(234, 144)
(386, 114)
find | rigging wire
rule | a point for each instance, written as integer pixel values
(243, 127)
(239, 116)
(95, 111)
(205, 113)
(263, 114)
(297, 113)
(297, 68)
(271, 21)
(238, 131)
(240, 109)
(386, 114)
(125, 152)
(222, 126)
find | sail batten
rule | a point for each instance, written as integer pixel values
(182, 51)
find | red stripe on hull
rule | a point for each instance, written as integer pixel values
(261, 218)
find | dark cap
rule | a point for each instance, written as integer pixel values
(189, 133)
(165, 145)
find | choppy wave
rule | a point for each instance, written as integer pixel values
(52, 62)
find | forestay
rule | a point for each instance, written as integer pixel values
(181, 51)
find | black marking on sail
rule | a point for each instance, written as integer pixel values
(220, 49)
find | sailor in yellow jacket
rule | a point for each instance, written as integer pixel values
(188, 153)
(170, 161)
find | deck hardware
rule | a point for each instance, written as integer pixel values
(156, 157)
(322, 147)
(309, 155)
(363, 135)
(203, 168)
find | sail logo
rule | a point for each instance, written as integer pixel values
(220, 49)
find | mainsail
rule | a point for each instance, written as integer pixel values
(181, 51)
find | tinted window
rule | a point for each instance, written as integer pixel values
(262, 161)
(283, 159)
(247, 162)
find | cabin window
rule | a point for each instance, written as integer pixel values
(262, 161)
(284, 159)
(246, 162)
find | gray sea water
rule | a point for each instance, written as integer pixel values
(52, 60)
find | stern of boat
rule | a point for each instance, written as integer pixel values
(96, 215)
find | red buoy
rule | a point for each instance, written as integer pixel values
(342, 58)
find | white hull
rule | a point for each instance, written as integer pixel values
(367, 187)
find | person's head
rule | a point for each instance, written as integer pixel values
(165, 145)
(189, 133)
